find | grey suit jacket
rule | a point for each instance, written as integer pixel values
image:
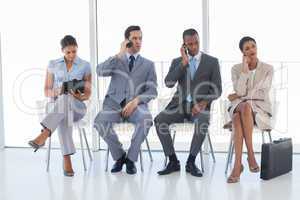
(141, 81)
(206, 85)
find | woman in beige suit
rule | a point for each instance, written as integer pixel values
(250, 103)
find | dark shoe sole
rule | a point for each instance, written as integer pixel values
(131, 172)
(170, 172)
(116, 171)
(196, 175)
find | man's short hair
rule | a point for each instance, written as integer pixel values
(130, 29)
(189, 32)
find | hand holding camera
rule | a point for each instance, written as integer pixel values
(77, 86)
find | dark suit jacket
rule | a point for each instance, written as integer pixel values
(206, 85)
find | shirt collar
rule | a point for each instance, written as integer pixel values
(135, 55)
(76, 60)
(198, 56)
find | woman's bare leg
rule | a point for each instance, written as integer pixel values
(42, 137)
(68, 164)
(247, 125)
(238, 144)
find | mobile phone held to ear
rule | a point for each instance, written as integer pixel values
(185, 49)
(129, 44)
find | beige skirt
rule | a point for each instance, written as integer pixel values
(262, 119)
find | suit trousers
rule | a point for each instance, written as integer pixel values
(104, 121)
(181, 114)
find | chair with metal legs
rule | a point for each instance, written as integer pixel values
(82, 136)
(80, 126)
(173, 128)
(126, 124)
(231, 146)
(228, 126)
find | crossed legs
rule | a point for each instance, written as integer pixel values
(243, 123)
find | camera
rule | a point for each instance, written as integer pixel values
(75, 85)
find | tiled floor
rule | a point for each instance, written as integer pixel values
(23, 176)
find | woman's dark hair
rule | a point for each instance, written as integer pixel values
(189, 32)
(244, 40)
(68, 40)
(130, 29)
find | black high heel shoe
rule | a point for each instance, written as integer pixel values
(35, 146)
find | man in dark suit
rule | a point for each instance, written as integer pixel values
(198, 83)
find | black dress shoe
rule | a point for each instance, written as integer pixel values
(118, 166)
(191, 168)
(173, 166)
(130, 167)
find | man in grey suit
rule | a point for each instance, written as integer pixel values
(198, 83)
(133, 84)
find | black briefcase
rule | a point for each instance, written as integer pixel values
(276, 158)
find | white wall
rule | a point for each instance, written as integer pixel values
(1, 104)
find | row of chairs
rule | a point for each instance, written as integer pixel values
(81, 129)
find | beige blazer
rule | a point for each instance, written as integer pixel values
(255, 92)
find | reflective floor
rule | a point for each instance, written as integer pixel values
(23, 176)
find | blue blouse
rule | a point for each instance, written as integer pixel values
(58, 68)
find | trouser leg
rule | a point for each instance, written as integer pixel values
(142, 119)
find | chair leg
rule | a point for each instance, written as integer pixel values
(48, 155)
(173, 138)
(87, 144)
(99, 142)
(166, 160)
(211, 148)
(82, 149)
(106, 160)
(270, 137)
(141, 160)
(229, 155)
(263, 137)
(201, 160)
(149, 151)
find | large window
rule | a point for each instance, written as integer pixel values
(31, 33)
(271, 23)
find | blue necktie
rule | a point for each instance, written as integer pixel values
(192, 66)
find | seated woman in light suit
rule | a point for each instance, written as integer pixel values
(250, 104)
(67, 107)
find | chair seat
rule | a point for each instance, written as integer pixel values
(81, 123)
(182, 126)
(123, 127)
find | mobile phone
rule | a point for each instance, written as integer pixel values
(185, 49)
(129, 44)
